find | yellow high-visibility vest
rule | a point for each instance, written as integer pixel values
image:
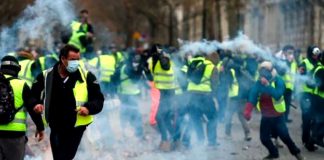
(205, 84)
(279, 105)
(234, 88)
(106, 65)
(77, 32)
(164, 79)
(316, 90)
(80, 91)
(126, 86)
(25, 71)
(19, 122)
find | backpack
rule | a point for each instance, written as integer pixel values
(196, 71)
(7, 102)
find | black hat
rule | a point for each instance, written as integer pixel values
(10, 61)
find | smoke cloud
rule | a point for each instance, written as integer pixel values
(37, 22)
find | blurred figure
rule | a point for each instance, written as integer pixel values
(105, 66)
(81, 34)
(223, 87)
(164, 80)
(15, 103)
(306, 69)
(288, 76)
(317, 104)
(72, 96)
(202, 76)
(269, 91)
(234, 104)
(26, 61)
(131, 76)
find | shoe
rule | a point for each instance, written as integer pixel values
(319, 142)
(176, 145)
(299, 157)
(165, 146)
(277, 143)
(271, 157)
(248, 137)
(310, 147)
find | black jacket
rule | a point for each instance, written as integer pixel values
(37, 119)
(61, 111)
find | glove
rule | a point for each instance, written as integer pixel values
(248, 111)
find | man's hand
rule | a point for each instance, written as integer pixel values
(264, 81)
(83, 111)
(39, 108)
(39, 135)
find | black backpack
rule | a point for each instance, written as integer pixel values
(7, 102)
(196, 71)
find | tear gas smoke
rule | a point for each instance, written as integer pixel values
(37, 22)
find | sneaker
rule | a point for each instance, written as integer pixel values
(299, 157)
(271, 157)
(248, 137)
(176, 145)
(310, 147)
(277, 143)
(165, 146)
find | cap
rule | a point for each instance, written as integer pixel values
(9, 61)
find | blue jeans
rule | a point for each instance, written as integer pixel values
(307, 116)
(276, 125)
(201, 105)
(165, 114)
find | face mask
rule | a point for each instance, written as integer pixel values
(72, 66)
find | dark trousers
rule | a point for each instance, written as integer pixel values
(65, 143)
(129, 113)
(165, 114)
(307, 117)
(318, 126)
(182, 122)
(270, 125)
(287, 98)
(222, 103)
(12, 148)
(202, 108)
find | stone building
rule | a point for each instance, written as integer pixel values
(272, 23)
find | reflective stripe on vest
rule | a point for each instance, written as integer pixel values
(205, 84)
(25, 71)
(316, 90)
(42, 62)
(234, 89)
(164, 79)
(126, 86)
(288, 77)
(19, 122)
(80, 91)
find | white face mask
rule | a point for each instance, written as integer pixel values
(72, 66)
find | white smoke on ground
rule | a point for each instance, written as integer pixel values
(37, 21)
